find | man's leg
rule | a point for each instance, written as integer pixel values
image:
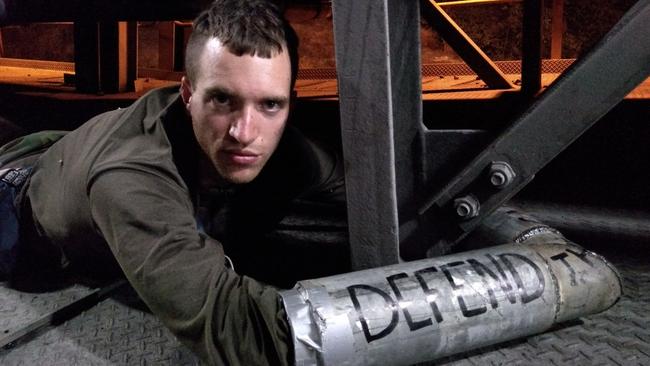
(10, 181)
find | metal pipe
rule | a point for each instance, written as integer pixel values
(509, 224)
(584, 221)
(413, 312)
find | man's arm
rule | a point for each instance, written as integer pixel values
(147, 220)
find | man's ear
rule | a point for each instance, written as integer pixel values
(186, 91)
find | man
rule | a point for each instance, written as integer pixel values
(125, 188)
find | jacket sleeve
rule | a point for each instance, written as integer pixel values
(227, 319)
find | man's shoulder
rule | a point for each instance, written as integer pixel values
(154, 102)
(160, 96)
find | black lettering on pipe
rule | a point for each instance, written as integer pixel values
(409, 320)
(461, 301)
(431, 293)
(572, 273)
(352, 290)
(507, 288)
(581, 255)
(525, 297)
(481, 269)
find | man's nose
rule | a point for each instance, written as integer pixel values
(243, 128)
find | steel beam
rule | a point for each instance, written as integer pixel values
(581, 96)
(475, 58)
(448, 4)
(377, 48)
(25, 11)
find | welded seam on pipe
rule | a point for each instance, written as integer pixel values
(556, 286)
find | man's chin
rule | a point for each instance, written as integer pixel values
(240, 176)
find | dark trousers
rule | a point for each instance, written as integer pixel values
(11, 180)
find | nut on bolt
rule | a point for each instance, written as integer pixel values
(501, 174)
(467, 207)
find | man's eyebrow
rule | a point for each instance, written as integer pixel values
(277, 99)
(222, 91)
(218, 90)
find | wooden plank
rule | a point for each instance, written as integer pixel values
(166, 44)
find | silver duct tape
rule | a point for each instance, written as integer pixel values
(422, 310)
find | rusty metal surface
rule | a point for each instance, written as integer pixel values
(437, 69)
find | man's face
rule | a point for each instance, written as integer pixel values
(239, 106)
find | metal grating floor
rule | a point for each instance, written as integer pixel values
(113, 333)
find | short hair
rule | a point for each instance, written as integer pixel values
(252, 27)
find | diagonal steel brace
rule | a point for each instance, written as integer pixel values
(475, 58)
(578, 99)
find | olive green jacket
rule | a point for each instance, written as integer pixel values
(120, 189)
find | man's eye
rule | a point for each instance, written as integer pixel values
(221, 99)
(271, 105)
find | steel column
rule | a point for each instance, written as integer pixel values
(378, 66)
(531, 60)
(581, 96)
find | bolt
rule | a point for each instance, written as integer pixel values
(501, 174)
(467, 207)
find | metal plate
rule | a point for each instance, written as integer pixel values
(111, 333)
